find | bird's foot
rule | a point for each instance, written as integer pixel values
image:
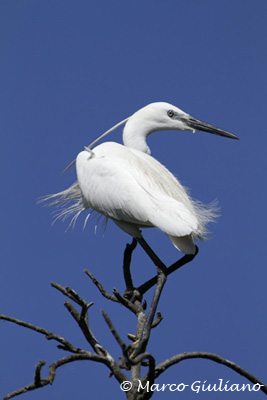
(132, 295)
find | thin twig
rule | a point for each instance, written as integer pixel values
(49, 335)
(157, 321)
(100, 287)
(113, 331)
(37, 374)
(70, 293)
(72, 310)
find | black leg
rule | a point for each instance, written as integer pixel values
(126, 265)
(153, 256)
(178, 264)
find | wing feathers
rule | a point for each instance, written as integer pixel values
(130, 186)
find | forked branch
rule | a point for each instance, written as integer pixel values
(41, 382)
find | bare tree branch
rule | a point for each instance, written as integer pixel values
(49, 335)
(210, 356)
(149, 321)
(133, 355)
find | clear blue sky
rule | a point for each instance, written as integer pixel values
(69, 71)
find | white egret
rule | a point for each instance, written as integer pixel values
(126, 184)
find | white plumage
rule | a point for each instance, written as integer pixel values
(127, 185)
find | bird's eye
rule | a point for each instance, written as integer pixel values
(170, 113)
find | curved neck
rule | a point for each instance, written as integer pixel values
(135, 133)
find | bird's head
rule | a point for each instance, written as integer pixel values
(163, 116)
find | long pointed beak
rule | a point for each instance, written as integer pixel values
(198, 125)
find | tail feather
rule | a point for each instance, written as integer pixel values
(69, 202)
(185, 244)
(205, 213)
